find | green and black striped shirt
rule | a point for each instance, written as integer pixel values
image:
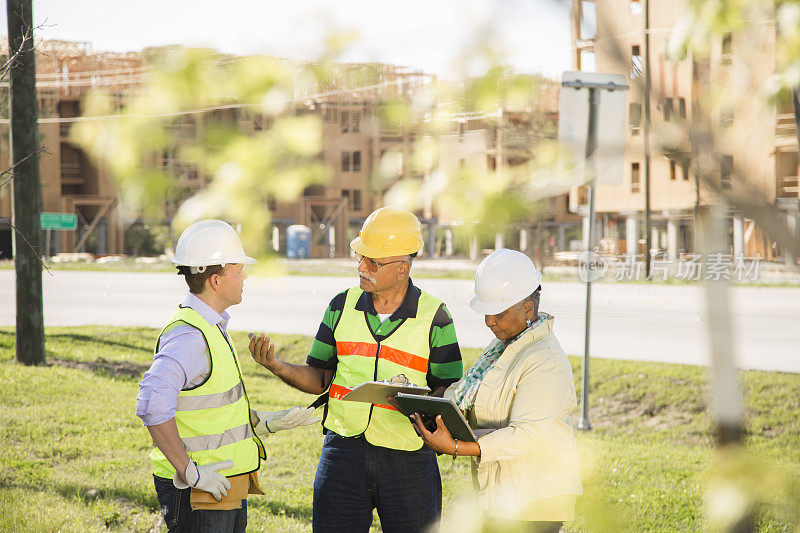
(445, 366)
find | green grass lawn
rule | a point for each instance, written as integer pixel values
(73, 454)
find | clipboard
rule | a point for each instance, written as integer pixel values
(377, 391)
(451, 414)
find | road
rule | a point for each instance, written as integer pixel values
(634, 321)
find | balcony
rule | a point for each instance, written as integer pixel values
(71, 173)
(784, 124)
(788, 187)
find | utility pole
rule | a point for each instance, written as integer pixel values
(27, 191)
(796, 108)
(646, 140)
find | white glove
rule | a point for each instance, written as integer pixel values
(206, 478)
(272, 422)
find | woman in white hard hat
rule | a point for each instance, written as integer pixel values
(518, 397)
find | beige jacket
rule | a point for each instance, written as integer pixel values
(528, 469)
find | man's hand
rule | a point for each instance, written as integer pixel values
(206, 478)
(263, 351)
(267, 422)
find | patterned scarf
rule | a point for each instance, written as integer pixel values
(466, 391)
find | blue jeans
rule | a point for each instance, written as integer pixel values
(354, 477)
(180, 518)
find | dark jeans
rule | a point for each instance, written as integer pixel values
(354, 477)
(180, 518)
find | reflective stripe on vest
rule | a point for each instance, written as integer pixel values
(209, 401)
(213, 419)
(212, 442)
(361, 358)
(337, 392)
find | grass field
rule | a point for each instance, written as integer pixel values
(74, 454)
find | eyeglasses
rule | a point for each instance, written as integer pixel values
(373, 265)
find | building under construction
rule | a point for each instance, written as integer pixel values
(363, 156)
(756, 140)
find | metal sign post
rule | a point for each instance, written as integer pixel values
(598, 83)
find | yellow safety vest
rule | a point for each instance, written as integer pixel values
(213, 418)
(362, 358)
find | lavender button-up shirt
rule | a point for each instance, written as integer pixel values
(182, 361)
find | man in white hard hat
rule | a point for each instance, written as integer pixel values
(193, 400)
(371, 457)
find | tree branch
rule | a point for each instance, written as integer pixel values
(38, 255)
(41, 150)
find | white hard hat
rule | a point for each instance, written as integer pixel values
(504, 278)
(209, 242)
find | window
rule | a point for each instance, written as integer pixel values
(345, 161)
(668, 110)
(350, 121)
(330, 114)
(636, 62)
(672, 173)
(461, 127)
(726, 117)
(635, 177)
(726, 57)
(586, 61)
(357, 161)
(685, 170)
(726, 172)
(635, 117)
(71, 163)
(588, 27)
(682, 107)
(356, 199)
(636, 7)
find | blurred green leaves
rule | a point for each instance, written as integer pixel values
(230, 120)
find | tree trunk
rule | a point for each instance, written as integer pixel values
(27, 187)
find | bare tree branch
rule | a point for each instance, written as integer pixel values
(38, 254)
(39, 151)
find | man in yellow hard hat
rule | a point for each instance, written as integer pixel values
(371, 456)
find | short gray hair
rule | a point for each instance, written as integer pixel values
(534, 297)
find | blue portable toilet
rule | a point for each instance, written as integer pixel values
(298, 241)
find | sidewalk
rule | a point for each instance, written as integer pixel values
(766, 274)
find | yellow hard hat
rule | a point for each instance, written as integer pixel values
(387, 232)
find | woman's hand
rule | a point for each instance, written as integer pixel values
(440, 440)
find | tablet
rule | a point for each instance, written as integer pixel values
(431, 405)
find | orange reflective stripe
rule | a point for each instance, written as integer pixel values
(366, 349)
(337, 391)
(409, 360)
